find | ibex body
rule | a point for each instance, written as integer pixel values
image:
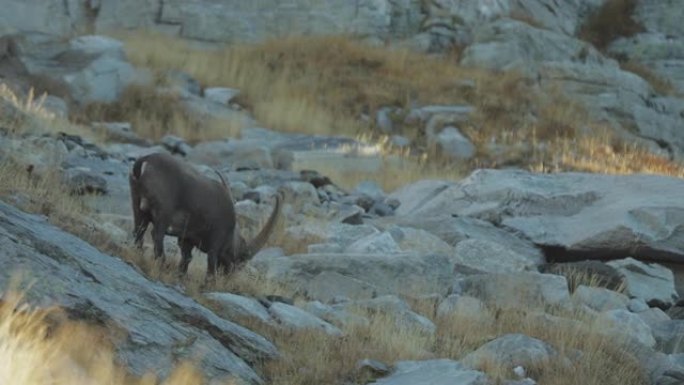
(199, 211)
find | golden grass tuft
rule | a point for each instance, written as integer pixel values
(42, 346)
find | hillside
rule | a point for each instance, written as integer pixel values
(473, 192)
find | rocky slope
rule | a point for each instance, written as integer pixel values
(569, 251)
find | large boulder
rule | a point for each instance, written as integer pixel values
(90, 68)
(511, 44)
(94, 287)
(570, 215)
(359, 275)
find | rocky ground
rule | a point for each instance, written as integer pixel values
(502, 276)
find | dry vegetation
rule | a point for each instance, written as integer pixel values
(320, 85)
(41, 346)
(611, 21)
(323, 85)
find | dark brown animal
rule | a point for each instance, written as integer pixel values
(199, 211)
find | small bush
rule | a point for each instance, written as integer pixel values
(609, 22)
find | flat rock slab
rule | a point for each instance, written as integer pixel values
(158, 321)
(570, 215)
(433, 372)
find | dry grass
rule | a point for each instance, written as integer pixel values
(21, 114)
(603, 360)
(609, 22)
(614, 19)
(153, 114)
(323, 85)
(41, 346)
(309, 84)
(312, 357)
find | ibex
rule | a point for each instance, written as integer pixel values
(199, 211)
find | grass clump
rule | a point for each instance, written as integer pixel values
(42, 346)
(153, 114)
(611, 21)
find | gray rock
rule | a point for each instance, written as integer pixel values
(232, 306)
(232, 154)
(463, 306)
(437, 116)
(669, 336)
(375, 243)
(525, 289)
(121, 132)
(510, 351)
(383, 119)
(434, 372)
(413, 196)
(418, 240)
(637, 305)
(573, 215)
(398, 310)
(400, 141)
(94, 287)
(335, 315)
(452, 143)
(183, 82)
(493, 257)
(176, 145)
(294, 317)
(368, 368)
(83, 181)
(507, 44)
(653, 316)
(623, 323)
(318, 248)
(106, 74)
(595, 272)
(600, 299)
(301, 193)
(370, 189)
(647, 281)
(220, 95)
(386, 274)
(329, 285)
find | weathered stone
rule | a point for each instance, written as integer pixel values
(232, 306)
(510, 351)
(399, 311)
(452, 143)
(600, 299)
(220, 95)
(462, 306)
(375, 243)
(294, 317)
(176, 145)
(525, 289)
(82, 181)
(434, 372)
(649, 282)
(387, 274)
(623, 323)
(492, 257)
(335, 315)
(669, 336)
